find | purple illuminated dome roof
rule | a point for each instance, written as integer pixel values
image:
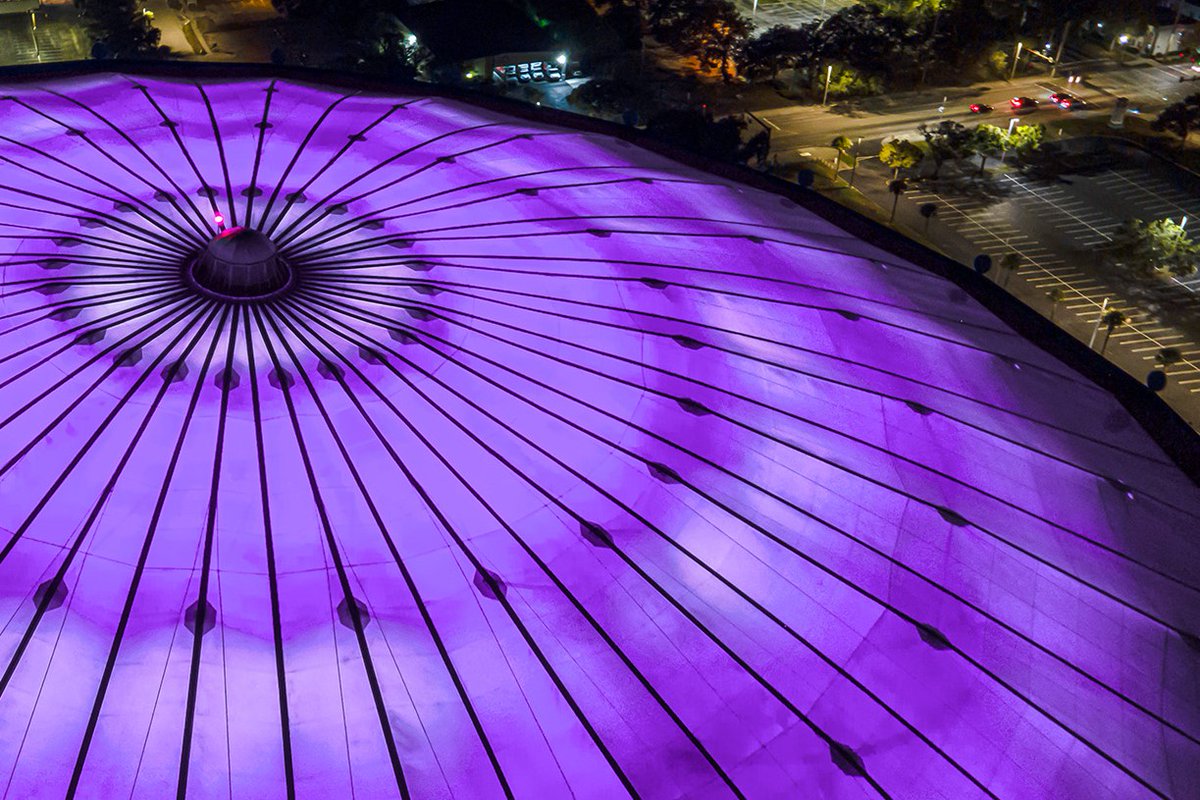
(483, 457)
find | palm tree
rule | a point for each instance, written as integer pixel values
(1009, 264)
(1168, 356)
(1056, 296)
(897, 187)
(1112, 320)
(927, 211)
(841, 146)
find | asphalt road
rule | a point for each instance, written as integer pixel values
(796, 128)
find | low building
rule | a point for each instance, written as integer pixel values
(499, 34)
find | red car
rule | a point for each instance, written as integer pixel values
(1064, 100)
(1023, 102)
(980, 108)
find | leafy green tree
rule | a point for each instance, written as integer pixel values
(1179, 118)
(120, 28)
(875, 40)
(947, 140)
(710, 30)
(777, 49)
(1156, 247)
(1025, 139)
(1111, 321)
(380, 45)
(988, 140)
(900, 154)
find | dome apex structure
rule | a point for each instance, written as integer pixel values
(489, 457)
(240, 263)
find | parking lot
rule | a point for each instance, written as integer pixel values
(536, 72)
(791, 13)
(1057, 227)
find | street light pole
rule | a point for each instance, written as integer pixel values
(828, 77)
(37, 48)
(1012, 73)
(1096, 330)
(1062, 43)
(854, 166)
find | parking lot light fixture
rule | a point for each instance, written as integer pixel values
(561, 59)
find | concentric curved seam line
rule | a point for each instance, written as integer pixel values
(351, 225)
(383, 280)
(808, 722)
(187, 157)
(525, 634)
(167, 654)
(45, 233)
(792, 446)
(46, 309)
(845, 534)
(143, 556)
(351, 140)
(783, 501)
(262, 223)
(233, 219)
(64, 378)
(39, 285)
(807, 246)
(406, 575)
(913, 331)
(184, 217)
(7, 784)
(95, 385)
(84, 212)
(189, 716)
(99, 323)
(582, 610)
(272, 574)
(17, 534)
(262, 126)
(331, 545)
(391, 300)
(100, 501)
(749, 523)
(164, 224)
(116, 274)
(296, 228)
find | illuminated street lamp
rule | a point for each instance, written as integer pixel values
(411, 40)
(561, 58)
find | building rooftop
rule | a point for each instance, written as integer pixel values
(566, 466)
